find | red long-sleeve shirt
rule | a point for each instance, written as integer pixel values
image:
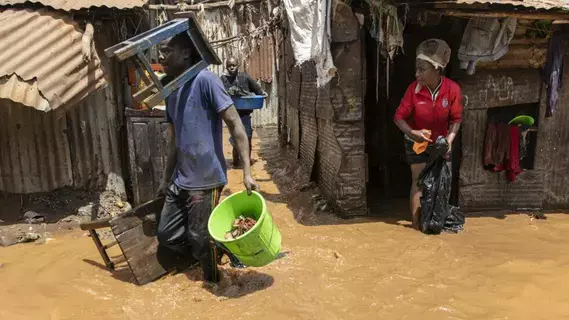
(434, 111)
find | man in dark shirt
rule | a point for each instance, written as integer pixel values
(195, 171)
(239, 84)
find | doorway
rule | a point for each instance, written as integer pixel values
(389, 177)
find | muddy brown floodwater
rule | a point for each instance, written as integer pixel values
(508, 268)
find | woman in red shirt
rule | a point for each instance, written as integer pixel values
(431, 103)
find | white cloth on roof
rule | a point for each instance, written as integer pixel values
(309, 24)
(485, 40)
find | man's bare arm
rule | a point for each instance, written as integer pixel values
(237, 131)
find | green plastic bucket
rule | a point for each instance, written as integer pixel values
(260, 245)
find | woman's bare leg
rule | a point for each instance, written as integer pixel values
(416, 193)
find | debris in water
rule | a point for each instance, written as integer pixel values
(240, 226)
(29, 237)
(33, 217)
(539, 215)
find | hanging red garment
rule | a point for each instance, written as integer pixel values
(511, 162)
(496, 145)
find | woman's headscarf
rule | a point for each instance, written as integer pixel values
(434, 51)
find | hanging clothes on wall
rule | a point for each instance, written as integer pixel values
(310, 30)
(497, 145)
(485, 40)
(502, 149)
(553, 70)
(386, 28)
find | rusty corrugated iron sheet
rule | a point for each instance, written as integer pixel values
(69, 5)
(219, 25)
(43, 64)
(536, 4)
(261, 61)
(43, 151)
(222, 24)
(35, 151)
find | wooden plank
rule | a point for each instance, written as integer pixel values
(110, 52)
(163, 142)
(144, 63)
(143, 76)
(155, 159)
(142, 161)
(154, 37)
(132, 158)
(494, 14)
(97, 224)
(137, 115)
(101, 249)
(140, 247)
(176, 83)
(205, 6)
(137, 216)
(143, 94)
(135, 232)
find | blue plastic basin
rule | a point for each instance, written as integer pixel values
(249, 103)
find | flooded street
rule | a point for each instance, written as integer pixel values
(508, 267)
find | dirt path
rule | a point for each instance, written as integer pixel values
(510, 268)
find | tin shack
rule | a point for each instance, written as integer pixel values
(343, 133)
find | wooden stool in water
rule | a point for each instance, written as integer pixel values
(135, 234)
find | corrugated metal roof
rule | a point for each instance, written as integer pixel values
(537, 4)
(69, 5)
(44, 50)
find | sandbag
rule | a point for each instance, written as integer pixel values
(437, 214)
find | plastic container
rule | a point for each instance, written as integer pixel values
(260, 245)
(523, 120)
(249, 103)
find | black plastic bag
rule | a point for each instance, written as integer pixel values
(437, 214)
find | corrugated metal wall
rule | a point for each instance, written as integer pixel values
(46, 151)
(260, 64)
(34, 148)
(93, 133)
(77, 146)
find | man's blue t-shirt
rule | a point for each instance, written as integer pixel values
(194, 111)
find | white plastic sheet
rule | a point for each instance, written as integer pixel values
(309, 23)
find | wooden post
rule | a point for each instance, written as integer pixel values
(518, 15)
(101, 249)
(207, 6)
(197, 7)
